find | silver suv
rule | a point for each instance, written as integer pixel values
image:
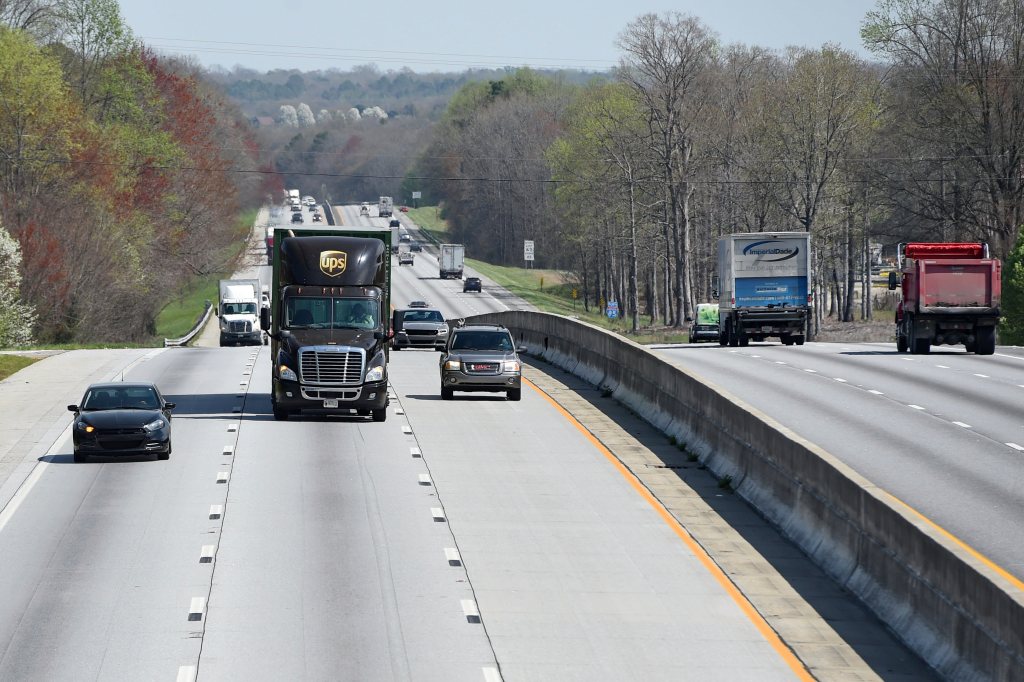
(481, 358)
(420, 327)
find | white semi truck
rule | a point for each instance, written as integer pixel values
(239, 311)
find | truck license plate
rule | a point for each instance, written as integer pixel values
(766, 328)
(330, 403)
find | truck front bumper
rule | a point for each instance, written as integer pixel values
(293, 396)
(255, 337)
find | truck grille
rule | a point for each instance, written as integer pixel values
(331, 366)
(240, 326)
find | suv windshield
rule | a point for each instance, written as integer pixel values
(423, 316)
(482, 340)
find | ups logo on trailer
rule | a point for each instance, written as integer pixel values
(332, 263)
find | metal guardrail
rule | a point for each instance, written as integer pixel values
(183, 341)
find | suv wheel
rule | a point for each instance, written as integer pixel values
(514, 393)
(447, 393)
(379, 415)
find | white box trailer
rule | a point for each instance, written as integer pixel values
(451, 260)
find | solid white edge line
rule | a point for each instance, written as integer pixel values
(186, 673)
(26, 487)
(962, 425)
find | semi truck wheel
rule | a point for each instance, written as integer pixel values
(280, 415)
(730, 335)
(985, 341)
(744, 340)
(901, 343)
(799, 340)
(922, 346)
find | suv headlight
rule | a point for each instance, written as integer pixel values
(155, 425)
(510, 366)
(286, 373)
(453, 365)
(376, 373)
(443, 330)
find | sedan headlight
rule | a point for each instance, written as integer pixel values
(376, 373)
(286, 373)
(88, 428)
(510, 366)
(155, 425)
(453, 365)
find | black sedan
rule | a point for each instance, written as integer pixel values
(122, 419)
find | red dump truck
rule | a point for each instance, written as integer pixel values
(950, 296)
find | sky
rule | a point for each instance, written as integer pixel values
(455, 35)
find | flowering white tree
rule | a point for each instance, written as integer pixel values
(289, 117)
(353, 114)
(324, 116)
(305, 116)
(375, 112)
(16, 318)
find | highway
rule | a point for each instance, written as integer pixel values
(943, 433)
(476, 539)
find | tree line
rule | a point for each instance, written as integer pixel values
(118, 182)
(630, 180)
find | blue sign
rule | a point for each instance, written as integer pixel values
(612, 310)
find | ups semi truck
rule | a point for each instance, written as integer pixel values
(331, 302)
(763, 287)
(950, 295)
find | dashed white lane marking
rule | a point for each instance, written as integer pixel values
(491, 675)
(243, 383)
(962, 425)
(186, 673)
(206, 554)
(942, 366)
(222, 477)
(469, 608)
(232, 428)
(453, 556)
(779, 362)
(228, 450)
(982, 376)
(734, 351)
(812, 371)
(415, 452)
(437, 513)
(874, 392)
(1019, 448)
(908, 359)
(755, 356)
(916, 407)
(425, 479)
(236, 409)
(399, 410)
(406, 428)
(196, 608)
(245, 374)
(1020, 385)
(216, 511)
(842, 381)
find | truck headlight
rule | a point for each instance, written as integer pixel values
(442, 331)
(223, 324)
(376, 373)
(286, 373)
(453, 365)
(510, 366)
(155, 425)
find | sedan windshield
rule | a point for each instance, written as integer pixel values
(121, 398)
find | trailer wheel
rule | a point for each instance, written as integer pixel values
(744, 340)
(985, 341)
(901, 343)
(799, 340)
(722, 339)
(921, 346)
(786, 339)
(731, 335)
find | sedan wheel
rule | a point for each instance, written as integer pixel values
(79, 457)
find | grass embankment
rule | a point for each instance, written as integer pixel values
(178, 317)
(430, 221)
(551, 292)
(9, 364)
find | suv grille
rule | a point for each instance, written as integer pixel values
(482, 367)
(331, 366)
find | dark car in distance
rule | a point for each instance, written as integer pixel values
(416, 247)
(472, 284)
(121, 418)
(481, 357)
(297, 217)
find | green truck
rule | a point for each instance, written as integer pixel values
(329, 321)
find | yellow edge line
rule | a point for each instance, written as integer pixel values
(963, 545)
(748, 609)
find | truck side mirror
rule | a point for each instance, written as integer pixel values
(894, 281)
(265, 318)
(396, 321)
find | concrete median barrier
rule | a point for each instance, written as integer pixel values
(960, 614)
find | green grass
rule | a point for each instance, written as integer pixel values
(551, 292)
(430, 221)
(180, 315)
(9, 364)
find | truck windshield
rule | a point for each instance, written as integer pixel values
(331, 313)
(238, 309)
